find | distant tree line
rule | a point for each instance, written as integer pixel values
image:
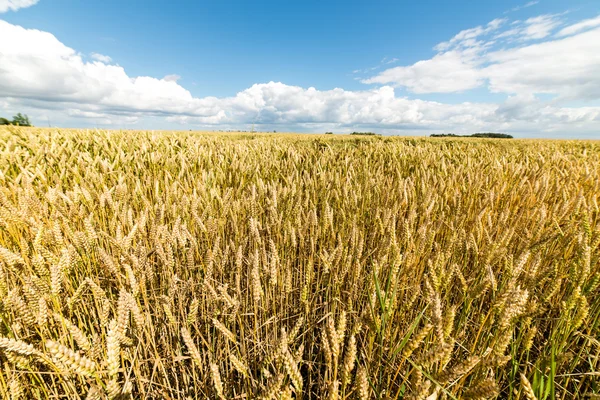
(365, 133)
(476, 135)
(19, 120)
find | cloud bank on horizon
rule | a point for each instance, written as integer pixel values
(547, 70)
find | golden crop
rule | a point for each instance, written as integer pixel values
(188, 266)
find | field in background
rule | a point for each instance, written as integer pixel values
(187, 265)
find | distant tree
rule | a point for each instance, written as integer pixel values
(365, 133)
(21, 120)
(492, 135)
(329, 133)
(4, 121)
(445, 135)
(475, 135)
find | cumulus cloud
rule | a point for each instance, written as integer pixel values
(34, 64)
(568, 68)
(37, 67)
(448, 72)
(279, 103)
(41, 74)
(512, 61)
(14, 5)
(519, 110)
(101, 58)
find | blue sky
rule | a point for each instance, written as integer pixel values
(304, 66)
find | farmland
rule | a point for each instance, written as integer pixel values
(159, 265)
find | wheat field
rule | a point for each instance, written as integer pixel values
(157, 265)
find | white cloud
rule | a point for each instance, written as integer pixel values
(540, 27)
(468, 35)
(35, 64)
(517, 31)
(172, 78)
(452, 71)
(14, 5)
(526, 5)
(510, 62)
(43, 77)
(520, 108)
(101, 58)
(531, 29)
(567, 68)
(277, 103)
(580, 26)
